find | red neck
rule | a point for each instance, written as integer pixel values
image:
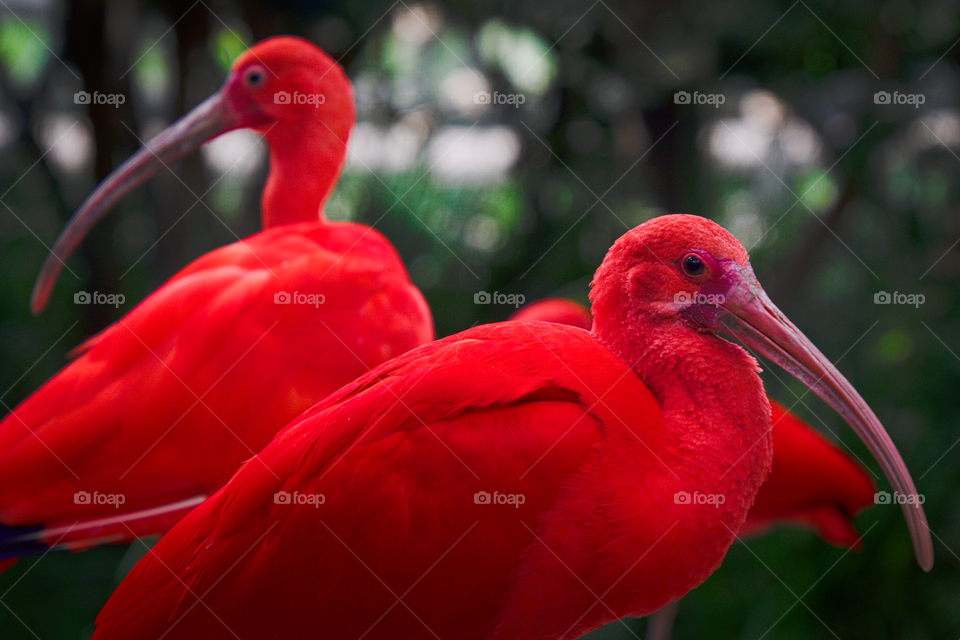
(715, 411)
(305, 163)
(717, 436)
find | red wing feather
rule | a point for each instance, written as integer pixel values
(399, 457)
(166, 403)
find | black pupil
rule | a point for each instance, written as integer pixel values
(693, 266)
(254, 77)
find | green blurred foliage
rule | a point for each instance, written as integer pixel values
(836, 197)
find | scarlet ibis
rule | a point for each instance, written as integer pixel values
(159, 410)
(516, 480)
(812, 483)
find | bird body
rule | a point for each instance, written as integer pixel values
(159, 410)
(165, 404)
(399, 456)
(519, 480)
(812, 482)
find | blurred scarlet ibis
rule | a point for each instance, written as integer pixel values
(516, 480)
(559, 310)
(812, 483)
(159, 410)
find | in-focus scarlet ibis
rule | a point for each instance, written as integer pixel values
(516, 480)
(159, 410)
(812, 483)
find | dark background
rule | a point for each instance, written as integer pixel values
(836, 197)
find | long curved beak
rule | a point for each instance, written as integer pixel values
(207, 120)
(755, 321)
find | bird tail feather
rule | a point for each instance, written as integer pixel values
(19, 541)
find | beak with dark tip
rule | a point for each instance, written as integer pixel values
(209, 119)
(748, 315)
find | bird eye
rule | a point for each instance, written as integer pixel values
(254, 77)
(693, 266)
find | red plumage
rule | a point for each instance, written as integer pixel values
(164, 405)
(812, 483)
(399, 456)
(602, 433)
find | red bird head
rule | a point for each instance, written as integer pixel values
(284, 84)
(284, 88)
(670, 281)
(678, 265)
